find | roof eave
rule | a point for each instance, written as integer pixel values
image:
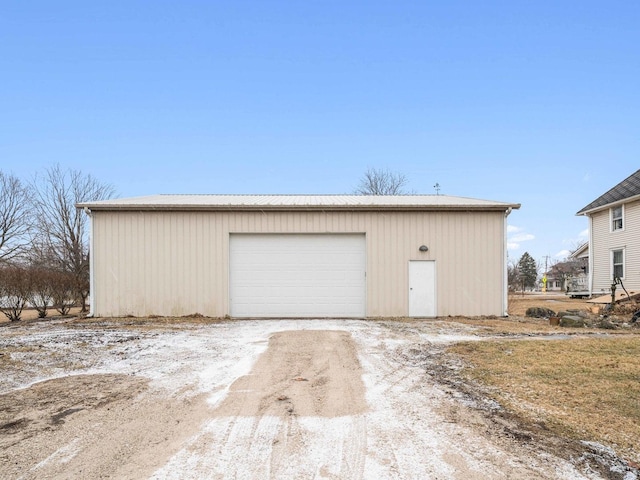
(609, 205)
(297, 208)
(580, 250)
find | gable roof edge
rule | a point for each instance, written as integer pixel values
(608, 205)
(623, 192)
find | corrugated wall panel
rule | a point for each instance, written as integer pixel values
(176, 263)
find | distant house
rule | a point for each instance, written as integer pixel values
(554, 284)
(570, 275)
(614, 237)
(578, 283)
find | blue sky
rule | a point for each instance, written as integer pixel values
(529, 102)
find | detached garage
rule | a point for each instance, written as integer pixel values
(298, 256)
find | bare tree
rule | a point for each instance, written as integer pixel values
(62, 228)
(381, 182)
(14, 217)
(513, 275)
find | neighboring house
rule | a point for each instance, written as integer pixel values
(298, 256)
(563, 276)
(560, 275)
(578, 283)
(554, 284)
(614, 237)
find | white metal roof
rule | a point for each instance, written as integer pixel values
(298, 202)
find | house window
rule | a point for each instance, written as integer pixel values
(617, 257)
(616, 218)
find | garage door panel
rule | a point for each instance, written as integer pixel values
(297, 275)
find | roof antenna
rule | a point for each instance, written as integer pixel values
(437, 187)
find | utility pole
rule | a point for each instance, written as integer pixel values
(544, 276)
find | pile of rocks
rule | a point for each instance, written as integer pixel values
(583, 319)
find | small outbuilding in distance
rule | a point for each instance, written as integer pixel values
(351, 256)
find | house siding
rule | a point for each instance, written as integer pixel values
(177, 263)
(604, 241)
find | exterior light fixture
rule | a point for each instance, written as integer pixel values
(423, 248)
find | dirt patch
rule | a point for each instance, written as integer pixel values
(44, 406)
(91, 426)
(308, 373)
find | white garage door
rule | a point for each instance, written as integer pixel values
(297, 275)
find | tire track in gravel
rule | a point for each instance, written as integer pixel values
(299, 413)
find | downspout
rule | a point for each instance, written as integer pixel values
(590, 276)
(91, 282)
(505, 278)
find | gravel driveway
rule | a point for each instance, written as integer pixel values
(245, 400)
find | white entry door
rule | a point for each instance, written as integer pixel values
(422, 288)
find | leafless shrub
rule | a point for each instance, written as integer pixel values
(15, 289)
(63, 294)
(42, 289)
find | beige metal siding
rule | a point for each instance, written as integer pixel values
(176, 263)
(604, 241)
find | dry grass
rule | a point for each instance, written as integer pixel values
(530, 326)
(585, 388)
(514, 326)
(75, 318)
(31, 314)
(148, 323)
(518, 303)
